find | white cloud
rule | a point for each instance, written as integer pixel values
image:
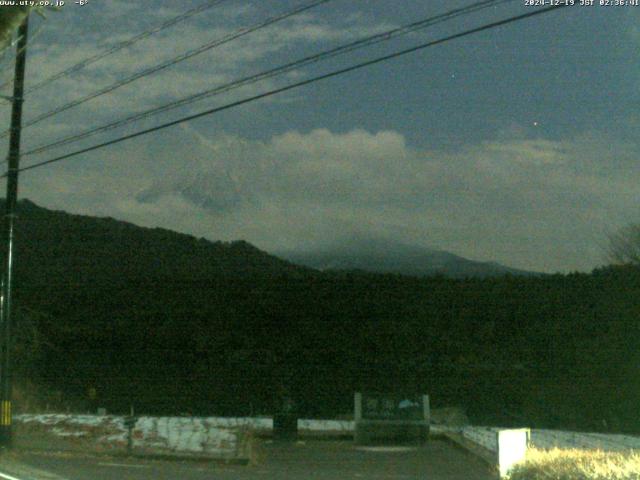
(528, 203)
(89, 29)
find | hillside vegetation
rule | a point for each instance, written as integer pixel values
(175, 324)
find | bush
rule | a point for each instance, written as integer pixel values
(560, 464)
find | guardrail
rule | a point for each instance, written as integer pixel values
(547, 439)
(489, 439)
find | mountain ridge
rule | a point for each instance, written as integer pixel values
(379, 255)
(85, 248)
(100, 242)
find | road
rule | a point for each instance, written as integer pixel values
(313, 460)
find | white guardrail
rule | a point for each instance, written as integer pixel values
(546, 439)
(509, 445)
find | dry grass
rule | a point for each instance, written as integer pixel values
(560, 464)
(250, 447)
(28, 397)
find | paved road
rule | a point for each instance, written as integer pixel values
(318, 460)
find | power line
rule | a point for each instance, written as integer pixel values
(324, 55)
(121, 45)
(180, 58)
(296, 85)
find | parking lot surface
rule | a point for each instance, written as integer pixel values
(312, 460)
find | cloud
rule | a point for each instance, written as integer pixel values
(516, 196)
(61, 47)
(530, 203)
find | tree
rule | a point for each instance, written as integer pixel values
(624, 245)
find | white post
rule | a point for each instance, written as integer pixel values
(512, 448)
(357, 407)
(427, 409)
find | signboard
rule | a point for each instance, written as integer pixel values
(392, 407)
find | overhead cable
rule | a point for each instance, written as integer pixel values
(180, 58)
(296, 85)
(280, 70)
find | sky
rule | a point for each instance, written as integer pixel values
(517, 145)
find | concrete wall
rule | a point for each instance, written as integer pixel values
(185, 436)
(215, 437)
(225, 437)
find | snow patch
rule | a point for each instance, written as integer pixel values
(162, 435)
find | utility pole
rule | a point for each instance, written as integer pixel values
(8, 233)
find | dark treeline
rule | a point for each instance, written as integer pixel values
(175, 325)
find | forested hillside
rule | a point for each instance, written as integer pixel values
(175, 324)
